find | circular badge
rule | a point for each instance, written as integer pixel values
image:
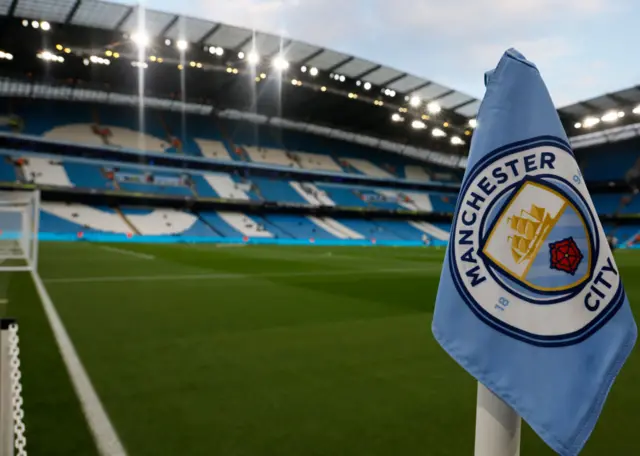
(527, 252)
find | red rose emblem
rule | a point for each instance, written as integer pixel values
(565, 256)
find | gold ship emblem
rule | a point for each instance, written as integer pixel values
(531, 229)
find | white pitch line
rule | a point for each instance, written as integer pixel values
(103, 431)
(235, 276)
(144, 256)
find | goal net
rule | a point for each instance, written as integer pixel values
(19, 217)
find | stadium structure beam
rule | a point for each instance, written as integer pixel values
(278, 51)
(442, 95)
(243, 44)
(589, 106)
(171, 23)
(72, 13)
(333, 68)
(208, 34)
(618, 99)
(461, 105)
(368, 72)
(12, 8)
(394, 79)
(124, 18)
(312, 56)
(421, 86)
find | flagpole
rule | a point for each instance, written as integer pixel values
(497, 426)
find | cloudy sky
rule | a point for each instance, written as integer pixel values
(583, 47)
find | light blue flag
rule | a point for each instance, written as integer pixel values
(530, 300)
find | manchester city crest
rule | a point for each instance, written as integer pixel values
(526, 251)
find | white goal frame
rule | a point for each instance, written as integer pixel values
(20, 246)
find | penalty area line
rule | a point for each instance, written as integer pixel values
(143, 256)
(104, 434)
(153, 278)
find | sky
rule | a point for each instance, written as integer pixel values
(583, 48)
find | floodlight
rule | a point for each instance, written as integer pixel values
(93, 59)
(303, 69)
(59, 47)
(358, 83)
(609, 117)
(456, 141)
(294, 81)
(438, 133)
(620, 114)
(418, 125)
(324, 89)
(367, 86)
(336, 77)
(473, 123)
(25, 23)
(44, 25)
(199, 65)
(235, 71)
(108, 53)
(313, 71)
(392, 93)
(342, 78)
(140, 38)
(253, 58)
(263, 76)
(67, 50)
(86, 62)
(35, 24)
(241, 55)
(46, 55)
(577, 125)
(280, 64)
(590, 122)
(8, 56)
(636, 110)
(397, 117)
(219, 51)
(212, 50)
(182, 45)
(60, 59)
(415, 101)
(433, 108)
(167, 42)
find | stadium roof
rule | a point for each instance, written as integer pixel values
(602, 112)
(115, 16)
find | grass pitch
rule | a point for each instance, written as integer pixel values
(263, 351)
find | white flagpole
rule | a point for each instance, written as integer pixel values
(497, 426)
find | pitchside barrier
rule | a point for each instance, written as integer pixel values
(168, 239)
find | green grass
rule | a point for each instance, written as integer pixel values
(261, 351)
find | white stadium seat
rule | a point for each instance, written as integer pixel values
(270, 156)
(244, 224)
(416, 173)
(46, 171)
(91, 217)
(318, 161)
(212, 149)
(162, 222)
(368, 168)
(225, 186)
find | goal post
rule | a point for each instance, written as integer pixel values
(19, 222)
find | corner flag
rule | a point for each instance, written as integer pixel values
(530, 300)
